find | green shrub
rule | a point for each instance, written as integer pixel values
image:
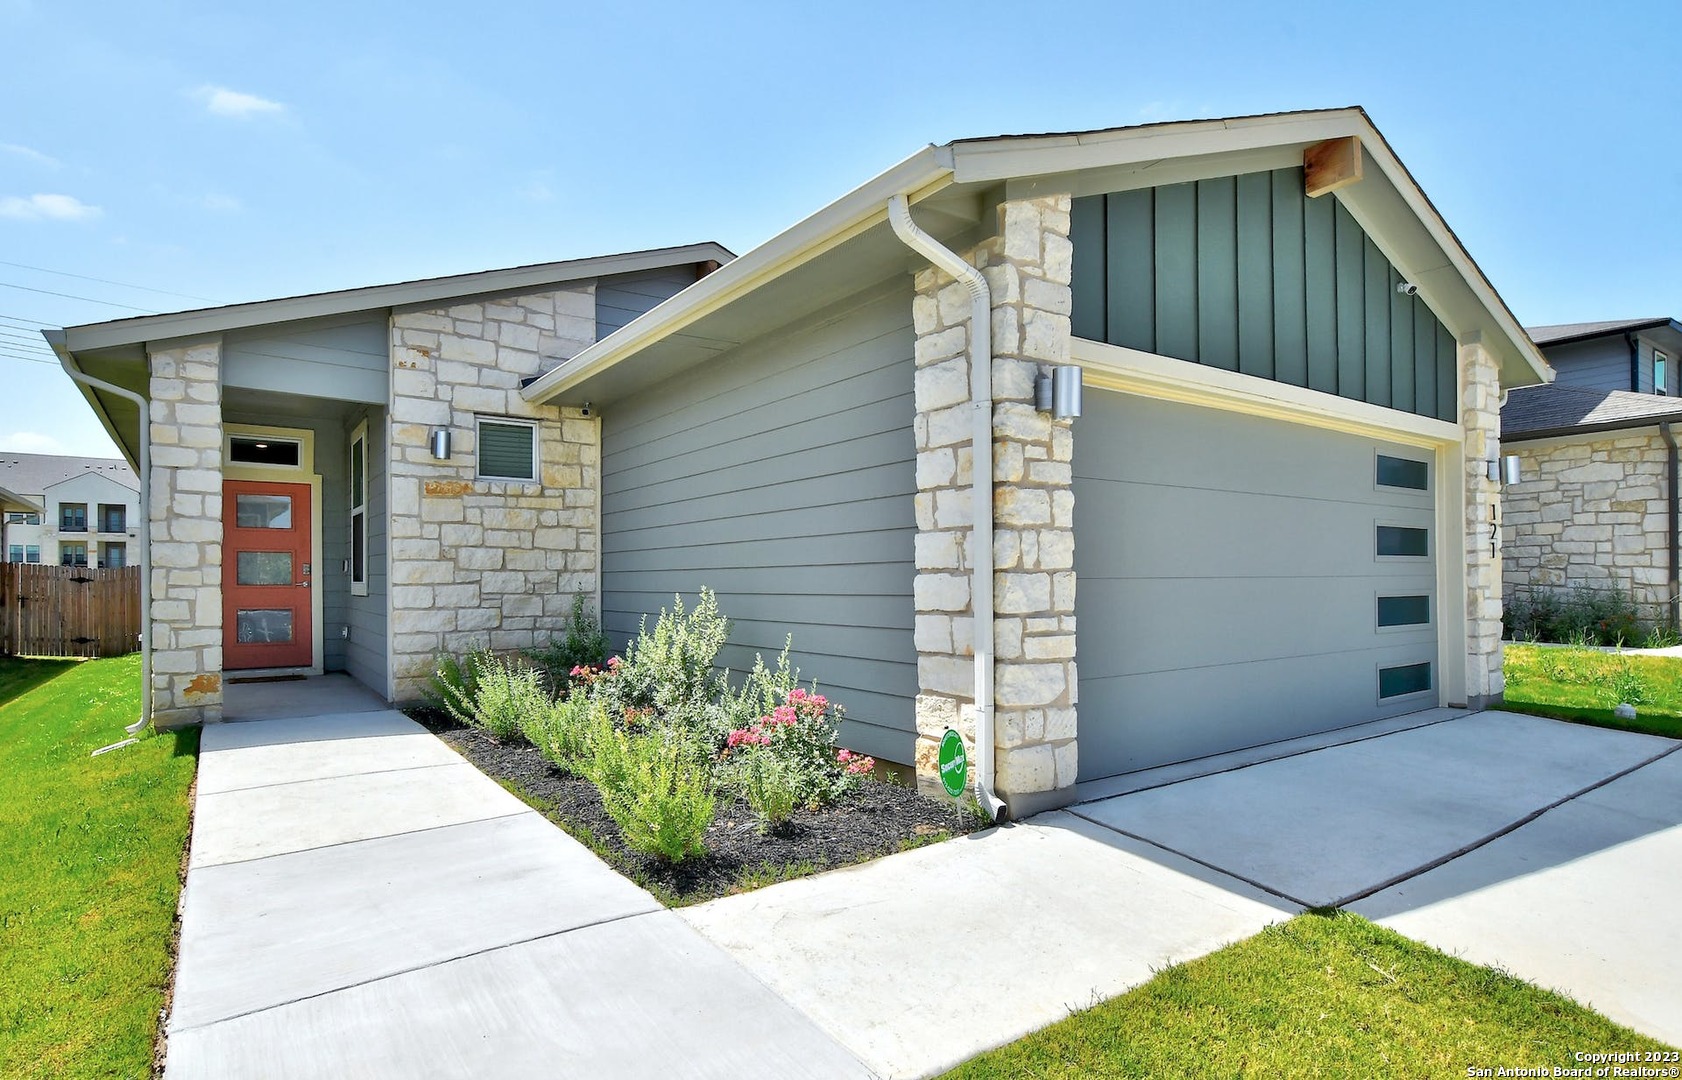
(506, 698)
(1581, 616)
(562, 732)
(657, 787)
(768, 785)
(670, 669)
(455, 683)
(583, 645)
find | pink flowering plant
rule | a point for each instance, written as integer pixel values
(799, 734)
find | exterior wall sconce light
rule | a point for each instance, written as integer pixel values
(1058, 391)
(1500, 469)
(441, 443)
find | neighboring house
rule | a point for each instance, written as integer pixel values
(1276, 501)
(16, 508)
(87, 510)
(1597, 505)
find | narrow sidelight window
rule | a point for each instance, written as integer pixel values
(359, 510)
(1661, 384)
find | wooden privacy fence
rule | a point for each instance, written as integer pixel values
(68, 610)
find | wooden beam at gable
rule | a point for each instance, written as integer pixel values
(1330, 165)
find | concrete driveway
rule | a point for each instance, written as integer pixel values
(1551, 850)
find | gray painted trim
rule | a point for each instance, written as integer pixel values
(423, 291)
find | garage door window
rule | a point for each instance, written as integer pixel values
(1395, 472)
(1400, 540)
(1400, 681)
(1404, 611)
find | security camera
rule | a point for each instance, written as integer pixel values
(585, 411)
(1407, 288)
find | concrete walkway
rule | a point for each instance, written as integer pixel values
(362, 902)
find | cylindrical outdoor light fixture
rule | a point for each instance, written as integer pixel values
(1510, 469)
(1042, 392)
(1066, 391)
(441, 443)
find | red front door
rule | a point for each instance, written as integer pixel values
(266, 579)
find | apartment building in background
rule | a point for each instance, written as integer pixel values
(90, 510)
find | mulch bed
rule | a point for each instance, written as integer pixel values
(879, 818)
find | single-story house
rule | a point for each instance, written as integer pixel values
(1276, 498)
(1597, 505)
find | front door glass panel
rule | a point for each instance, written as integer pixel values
(264, 625)
(264, 568)
(263, 511)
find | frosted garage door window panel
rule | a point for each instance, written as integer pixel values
(263, 511)
(264, 625)
(1399, 540)
(1403, 473)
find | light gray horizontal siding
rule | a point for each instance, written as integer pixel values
(365, 654)
(621, 299)
(346, 357)
(782, 475)
(1248, 274)
(1598, 365)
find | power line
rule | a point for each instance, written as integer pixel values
(71, 296)
(27, 359)
(19, 319)
(23, 333)
(108, 281)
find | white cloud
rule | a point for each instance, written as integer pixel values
(31, 442)
(218, 203)
(221, 101)
(31, 155)
(50, 207)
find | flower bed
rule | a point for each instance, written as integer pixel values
(878, 818)
(690, 783)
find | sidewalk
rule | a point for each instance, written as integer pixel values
(362, 902)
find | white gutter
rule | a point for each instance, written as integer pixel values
(143, 465)
(981, 482)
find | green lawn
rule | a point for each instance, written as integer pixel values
(1585, 684)
(1321, 995)
(92, 869)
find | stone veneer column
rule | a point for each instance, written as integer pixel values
(1027, 266)
(185, 515)
(1480, 419)
(486, 563)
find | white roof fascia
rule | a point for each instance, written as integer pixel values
(982, 161)
(917, 177)
(184, 324)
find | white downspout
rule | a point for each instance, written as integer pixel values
(981, 482)
(55, 338)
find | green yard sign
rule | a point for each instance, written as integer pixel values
(954, 763)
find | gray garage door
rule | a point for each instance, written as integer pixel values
(1243, 580)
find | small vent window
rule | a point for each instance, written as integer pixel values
(259, 450)
(1399, 681)
(1403, 473)
(1404, 611)
(1400, 540)
(507, 450)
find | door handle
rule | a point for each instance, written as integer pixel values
(303, 584)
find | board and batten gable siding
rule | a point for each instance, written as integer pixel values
(365, 652)
(345, 357)
(621, 298)
(1248, 274)
(782, 475)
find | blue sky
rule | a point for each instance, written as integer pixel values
(239, 151)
